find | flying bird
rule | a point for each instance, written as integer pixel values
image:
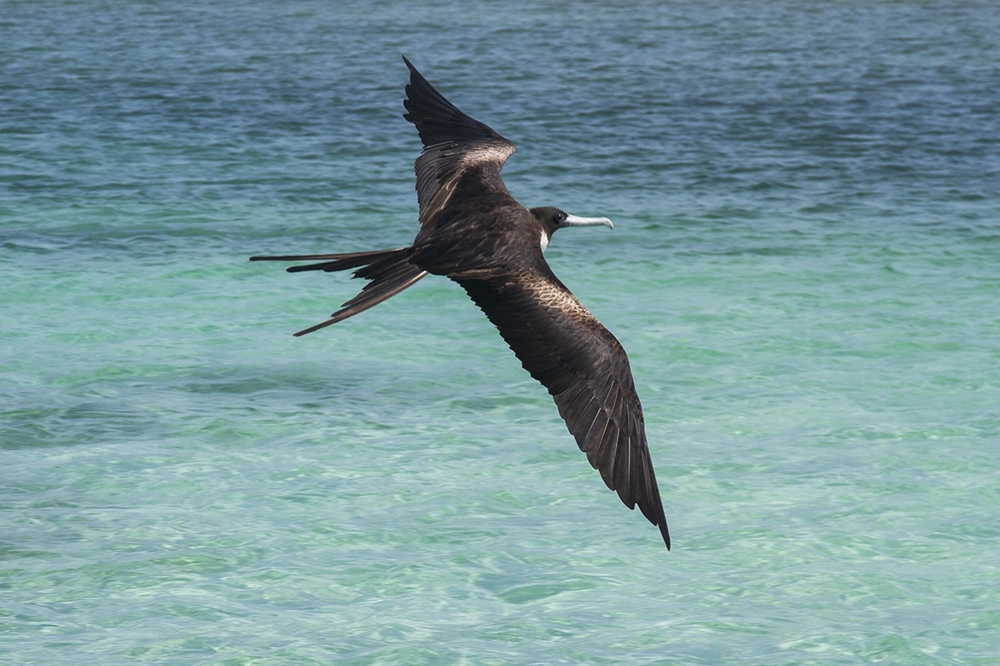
(474, 232)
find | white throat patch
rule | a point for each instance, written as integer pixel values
(545, 241)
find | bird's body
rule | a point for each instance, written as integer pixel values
(475, 233)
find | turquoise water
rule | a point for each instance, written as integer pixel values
(804, 270)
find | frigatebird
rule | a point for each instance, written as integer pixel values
(474, 232)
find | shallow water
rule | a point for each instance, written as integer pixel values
(803, 270)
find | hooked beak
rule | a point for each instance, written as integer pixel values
(574, 221)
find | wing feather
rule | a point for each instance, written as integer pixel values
(454, 143)
(587, 373)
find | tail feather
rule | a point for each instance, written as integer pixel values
(389, 272)
(331, 262)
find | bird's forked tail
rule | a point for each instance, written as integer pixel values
(389, 272)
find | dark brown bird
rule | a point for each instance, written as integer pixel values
(474, 232)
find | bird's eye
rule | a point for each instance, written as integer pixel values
(560, 217)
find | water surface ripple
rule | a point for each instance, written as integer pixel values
(803, 269)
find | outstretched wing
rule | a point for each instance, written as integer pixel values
(454, 143)
(587, 372)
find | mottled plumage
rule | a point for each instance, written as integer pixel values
(474, 232)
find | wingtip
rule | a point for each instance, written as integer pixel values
(409, 65)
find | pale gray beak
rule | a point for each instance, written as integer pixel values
(574, 221)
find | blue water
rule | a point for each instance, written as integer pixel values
(804, 270)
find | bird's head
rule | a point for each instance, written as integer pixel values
(550, 219)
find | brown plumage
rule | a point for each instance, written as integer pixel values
(474, 232)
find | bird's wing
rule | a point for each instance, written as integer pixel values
(453, 142)
(585, 369)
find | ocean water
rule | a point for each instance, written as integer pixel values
(805, 270)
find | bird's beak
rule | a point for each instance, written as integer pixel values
(574, 221)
